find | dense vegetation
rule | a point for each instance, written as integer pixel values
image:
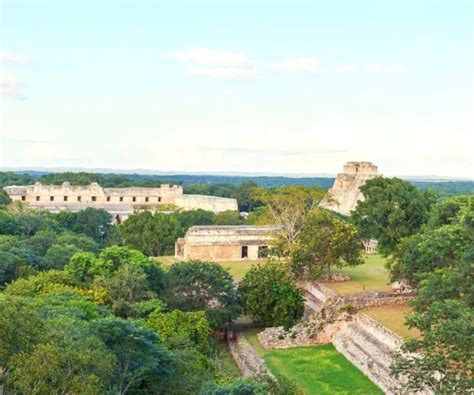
(84, 307)
(430, 245)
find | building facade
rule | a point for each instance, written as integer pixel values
(345, 193)
(119, 202)
(225, 242)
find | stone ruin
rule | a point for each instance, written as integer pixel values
(345, 193)
(335, 319)
(120, 202)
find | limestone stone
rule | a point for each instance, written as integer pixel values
(225, 242)
(118, 201)
(345, 193)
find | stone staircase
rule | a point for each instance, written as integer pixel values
(370, 347)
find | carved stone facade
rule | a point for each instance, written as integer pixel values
(118, 201)
(225, 242)
(345, 193)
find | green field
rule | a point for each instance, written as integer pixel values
(227, 369)
(236, 268)
(393, 317)
(316, 369)
(370, 276)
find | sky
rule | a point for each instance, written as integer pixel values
(283, 87)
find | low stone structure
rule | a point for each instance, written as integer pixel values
(365, 342)
(247, 359)
(120, 202)
(225, 242)
(370, 246)
(345, 193)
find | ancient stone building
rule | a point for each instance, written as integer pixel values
(225, 243)
(345, 193)
(119, 202)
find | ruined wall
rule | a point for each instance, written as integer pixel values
(247, 359)
(223, 243)
(345, 193)
(73, 197)
(209, 203)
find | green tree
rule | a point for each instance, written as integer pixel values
(228, 218)
(324, 242)
(51, 369)
(287, 208)
(182, 327)
(270, 296)
(392, 209)
(35, 285)
(4, 198)
(141, 359)
(443, 240)
(94, 223)
(194, 217)
(20, 328)
(152, 234)
(59, 255)
(196, 286)
(126, 286)
(442, 359)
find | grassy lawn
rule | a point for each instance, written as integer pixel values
(393, 317)
(227, 368)
(316, 369)
(236, 268)
(370, 276)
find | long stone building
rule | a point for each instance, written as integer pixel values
(225, 242)
(120, 202)
(345, 193)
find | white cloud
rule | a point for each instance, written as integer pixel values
(207, 56)
(13, 58)
(396, 68)
(373, 68)
(347, 68)
(295, 65)
(9, 86)
(230, 73)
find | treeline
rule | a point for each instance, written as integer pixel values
(82, 313)
(225, 186)
(430, 245)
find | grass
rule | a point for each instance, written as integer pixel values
(227, 368)
(236, 268)
(370, 276)
(393, 317)
(317, 369)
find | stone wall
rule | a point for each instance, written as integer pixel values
(247, 359)
(77, 197)
(345, 193)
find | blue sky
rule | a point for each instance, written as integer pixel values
(247, 86)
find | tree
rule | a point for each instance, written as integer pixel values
(392, 209)
(194, 217)
(238, 387)
(49, 368)
(82, 266)
(4, 198)
(287, 208)
(35, 285)
(441, 359)
(152, 234)
(95, 223)
(141, 358)
(58, 255)
(196, 286)
(228, 218)
(270, 296)
(126, 286)
(446, 237)
(182, 327)
(325, 241)
(20, 327)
